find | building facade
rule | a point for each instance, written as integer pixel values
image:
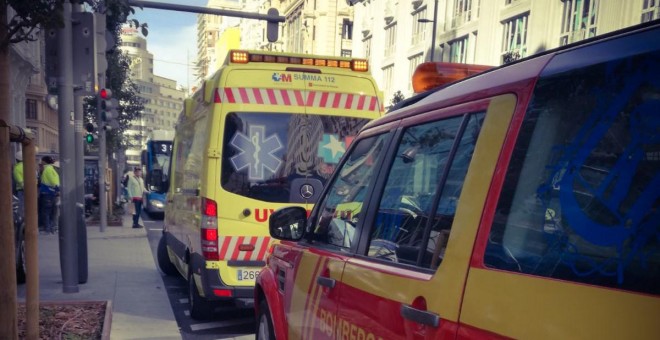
(394, 39)
(31, 106)
(311, 27)
(161, 97)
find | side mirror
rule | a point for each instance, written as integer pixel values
(288, 223)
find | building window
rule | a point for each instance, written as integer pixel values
(31, 109)
(347, 29)
(414, 61)
(294, 31)
(650, 10)
(366, 42)
(464, 11)
(388, 72)
(458, 50)
(514, 37)
(390, 40)
(419, 28)
(578, 20)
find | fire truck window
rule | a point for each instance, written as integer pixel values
(581, 198)
(340, 211)
(411, 227)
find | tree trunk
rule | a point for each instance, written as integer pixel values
(5, 89)
(8, 301)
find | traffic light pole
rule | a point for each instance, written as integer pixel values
(103, 164)
(67, 224)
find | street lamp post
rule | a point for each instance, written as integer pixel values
(435, 23)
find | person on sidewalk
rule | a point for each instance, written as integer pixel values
(136, 190)
(19, 181)
(49, 189)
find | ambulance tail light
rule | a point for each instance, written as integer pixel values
(245, 57)
(209, 230)
(431, 75)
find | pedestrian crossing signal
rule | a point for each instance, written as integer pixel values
(89, 138)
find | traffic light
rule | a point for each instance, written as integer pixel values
(107, 109)
(89, 138)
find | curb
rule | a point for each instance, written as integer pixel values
(107, 321)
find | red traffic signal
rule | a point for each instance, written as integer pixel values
(105, 93)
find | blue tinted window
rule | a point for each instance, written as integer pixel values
(581, 199)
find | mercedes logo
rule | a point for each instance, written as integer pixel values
(306, 191)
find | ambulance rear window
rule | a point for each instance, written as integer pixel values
(271, 157)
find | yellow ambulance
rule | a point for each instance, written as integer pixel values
(265, 131)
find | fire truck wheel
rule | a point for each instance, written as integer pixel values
(265, 327)
(164, 262)
(200, 308)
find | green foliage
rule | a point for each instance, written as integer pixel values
(397, 97)
(28, 17)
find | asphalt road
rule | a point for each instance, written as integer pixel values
(228, 322)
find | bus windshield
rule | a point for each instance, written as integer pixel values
(270, 157)
(159, 153)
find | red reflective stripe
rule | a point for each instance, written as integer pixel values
(299, 98)
(373, 104)
(349, 101)
(271, 96)
(234, 255)
(324, 99)
(310, 98)
(230, 95)
(248, 254)
(361, 101)
(257, 96)
(264, 247)
(335, 102)
(244, 96)
(285, 97)
(216, 96)
(225, 246)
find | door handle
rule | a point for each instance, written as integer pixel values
(420, 316)
(325, 281)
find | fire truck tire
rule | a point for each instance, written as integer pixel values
(164, 262)
(200, 308)
(265, 329)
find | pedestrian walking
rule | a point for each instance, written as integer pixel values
(19, 182)
(49, 190)
(136, 190)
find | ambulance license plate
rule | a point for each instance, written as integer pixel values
(247, 274)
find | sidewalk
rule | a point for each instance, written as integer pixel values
(121, 268)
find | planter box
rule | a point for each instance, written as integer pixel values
(56, 316)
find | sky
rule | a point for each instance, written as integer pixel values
(172, 40)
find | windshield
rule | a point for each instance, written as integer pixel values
(283, 157)
(162, 150)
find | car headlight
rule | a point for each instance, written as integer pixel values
(157, 204)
